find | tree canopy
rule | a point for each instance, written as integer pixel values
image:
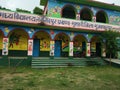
(21, 10)
(3, 8)
(110, 39)
(38, 11)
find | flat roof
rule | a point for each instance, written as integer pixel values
(89, 3)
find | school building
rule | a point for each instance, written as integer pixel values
(68, 29)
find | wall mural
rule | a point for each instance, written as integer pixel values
(78, 43)
(54, 12)
(1, 41)
(114, 20)
(18, 40)
(44, 41)
(55, 7)
(93, 46)
(65, 41)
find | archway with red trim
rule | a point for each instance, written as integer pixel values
(79, 43)
(102, 17)
(41, 44)
(61, 45)
(18, 42)
(86, 14)
(95, 47)
(1, 42)
(68, 11)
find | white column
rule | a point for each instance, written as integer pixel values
(71, 49)
(88, 50)
(52, 47)
(77, 16)
(30, 47)
(94, 18)
(104, 51)
(5, 46)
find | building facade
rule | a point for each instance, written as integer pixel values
(67, 28)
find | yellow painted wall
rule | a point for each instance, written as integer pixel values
(44, 41)
(78, 42)
(1, 40)
(93, 46)
(65, 41)
(22, 41)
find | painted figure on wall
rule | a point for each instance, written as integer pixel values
(65, 41)
(14, 38)
(18, 40)
(5, 46)
(55, 12)
(1, 41)
(114, 20)
(44, 40)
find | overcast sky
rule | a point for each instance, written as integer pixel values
(30, 4)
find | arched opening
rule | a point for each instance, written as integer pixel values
(95, 47)
(86, 14)
(68, 11)
(79, 43)
(18, 42)
(41, 44)
(61, 45)
(102, 17)
(1, 42)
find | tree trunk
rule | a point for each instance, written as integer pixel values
(110, 59)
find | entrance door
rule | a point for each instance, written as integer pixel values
(36, 48)
(58, 45)
(83, 49)
(0, 52)
(98, 49)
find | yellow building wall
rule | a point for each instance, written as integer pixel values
(1, 40)
(65, 41)
(44, 41)
(18, 40)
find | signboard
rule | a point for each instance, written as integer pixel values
(68, 23)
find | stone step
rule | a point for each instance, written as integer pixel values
(46, 63)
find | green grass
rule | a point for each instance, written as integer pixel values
(71, 78)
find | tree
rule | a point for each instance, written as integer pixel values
(38, 11)
(3, 8)
(110, 39)
(21, 10)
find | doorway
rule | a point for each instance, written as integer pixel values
(58, 47)
(98, 49)
(36, 48)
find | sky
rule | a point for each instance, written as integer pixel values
(31, 4)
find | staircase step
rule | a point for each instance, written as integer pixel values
(65, 62)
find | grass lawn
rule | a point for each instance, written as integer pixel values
(71, 78)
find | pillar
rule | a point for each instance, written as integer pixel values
(104, 51)
(88, 50)
(71, 49)
(30, 49)
(94, 18)
(77, 16)
(52, 48)
(5, 50)
(5, 47)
